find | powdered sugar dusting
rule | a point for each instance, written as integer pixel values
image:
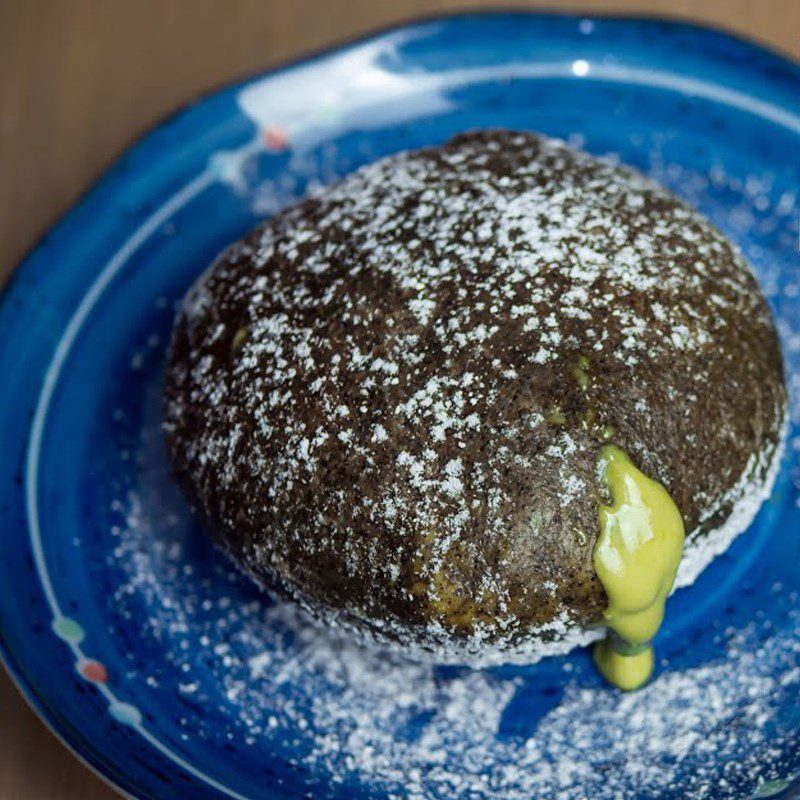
(363, 716)
(381, 406)
(747, 498)
(356, 720)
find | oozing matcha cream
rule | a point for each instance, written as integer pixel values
(636, 558)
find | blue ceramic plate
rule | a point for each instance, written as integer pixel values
(167, 671)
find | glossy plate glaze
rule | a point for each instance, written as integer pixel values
(167, 671)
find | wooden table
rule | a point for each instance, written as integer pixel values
(80, 79)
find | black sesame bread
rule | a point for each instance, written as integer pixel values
(387, 402)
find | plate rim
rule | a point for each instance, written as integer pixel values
(339, 46)
(110, 173)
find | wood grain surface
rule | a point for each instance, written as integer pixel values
(80, 79)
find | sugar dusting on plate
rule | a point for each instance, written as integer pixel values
(361, 714)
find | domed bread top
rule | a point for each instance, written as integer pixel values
(388, 401)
